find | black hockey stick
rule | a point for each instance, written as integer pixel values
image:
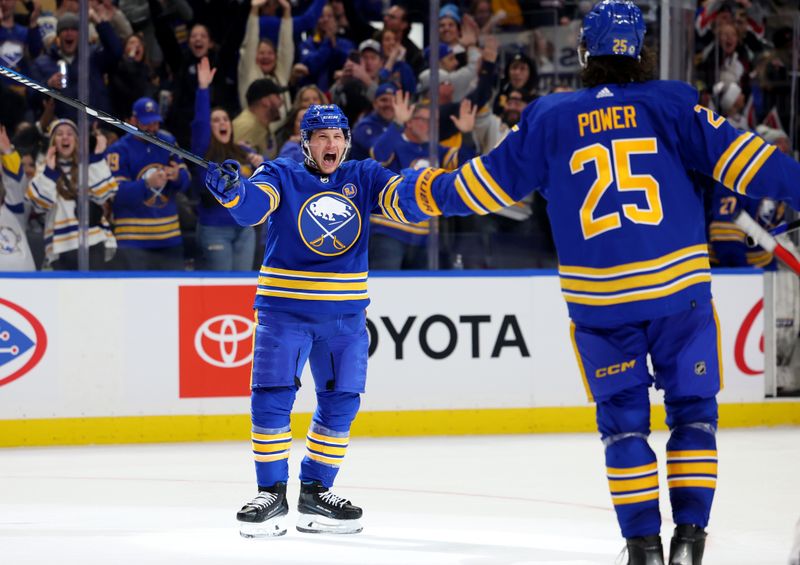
(133, 130)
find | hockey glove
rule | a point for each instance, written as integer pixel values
(224, 181)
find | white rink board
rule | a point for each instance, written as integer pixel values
(112, 345)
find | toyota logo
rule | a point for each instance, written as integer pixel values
(223, 341)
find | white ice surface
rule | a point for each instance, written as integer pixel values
(478, 500)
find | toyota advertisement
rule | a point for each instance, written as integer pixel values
(111, 346)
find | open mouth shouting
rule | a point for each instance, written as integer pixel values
(329, 159)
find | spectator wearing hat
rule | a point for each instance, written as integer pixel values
(103, 59)
(449, 25)
(322, 53)
(53, 191)
(252, 125)
(374, 124)
(520, 75)
(730, 103)
(145, 209)
(358, 80)
(396, 19)
(395, 69)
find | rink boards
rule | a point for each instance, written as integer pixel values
(106, 359)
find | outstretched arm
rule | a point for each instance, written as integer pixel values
(250, 201)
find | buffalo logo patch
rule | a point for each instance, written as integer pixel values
(329, 223)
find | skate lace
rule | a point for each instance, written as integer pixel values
(264, 499)
(329, 498)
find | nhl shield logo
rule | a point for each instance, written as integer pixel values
(349, 190)
(329, 223)
(700, 368)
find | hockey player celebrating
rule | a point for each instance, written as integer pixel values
(614, 161)
(310, 306)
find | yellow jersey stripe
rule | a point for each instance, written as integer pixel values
(635, 296)
(691, 468)
(422, 228)
(396, 207)
(328, 439)
(146, 221)
(310, 296)
(632, 471)
(741, 161)
(312, 274)
(754, 167)
(326, 449)
(633, 484)
(146, 229)
(323, 459)
(488, 180)
(230, 204)
(271, 437)
(691, 454)
(475, 186)
(311, 285)
(722, 162)
(621, 499)
(386, 205)
(146, 237)
(269, 458)
(692, 483)
(638, 281)
(578, 357)
(635, 267)
(467, 198)
(271, 447)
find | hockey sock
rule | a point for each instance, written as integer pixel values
(271, 435)
(692, 460)
(328, 436)
(632, 471)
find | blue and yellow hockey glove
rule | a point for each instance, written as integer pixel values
(224, 181)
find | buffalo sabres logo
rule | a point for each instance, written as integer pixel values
(349, 190)
(156, 198)
(329, 223)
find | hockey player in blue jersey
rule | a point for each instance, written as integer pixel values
(310, 306)
(614, 161)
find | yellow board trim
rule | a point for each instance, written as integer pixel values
(178, 428)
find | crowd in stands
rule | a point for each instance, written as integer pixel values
(231, 79)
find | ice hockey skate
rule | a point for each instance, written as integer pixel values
(645, 551)
(321, 511)
(687, 545)
(265, 515)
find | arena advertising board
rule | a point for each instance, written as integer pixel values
(77, 347)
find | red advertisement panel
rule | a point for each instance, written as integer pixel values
(216, 340)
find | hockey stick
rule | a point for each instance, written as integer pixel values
(787, 227)
(763, 238)
(133, 130)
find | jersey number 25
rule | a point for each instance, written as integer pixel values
(616, 164)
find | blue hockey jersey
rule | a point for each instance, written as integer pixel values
(614, 164)
(317, 232)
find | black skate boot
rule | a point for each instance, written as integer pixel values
(264, 516)
(687, 545)
(321, 511)
(645, 551)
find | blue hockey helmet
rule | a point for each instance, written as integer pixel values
(323, 116)
(612, 27)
